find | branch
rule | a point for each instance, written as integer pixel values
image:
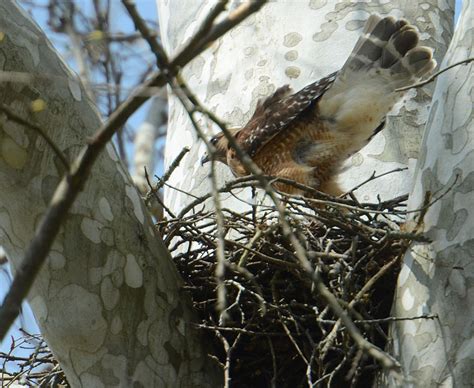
(149, 36)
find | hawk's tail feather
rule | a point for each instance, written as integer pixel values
(393, 45)
(385, 58)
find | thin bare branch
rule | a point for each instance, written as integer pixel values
(436, 75)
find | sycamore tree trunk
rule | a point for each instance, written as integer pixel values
(108, 300)
(438, 278)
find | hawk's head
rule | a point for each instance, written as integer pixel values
(221, 145)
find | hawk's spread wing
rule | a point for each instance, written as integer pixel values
(276, 112)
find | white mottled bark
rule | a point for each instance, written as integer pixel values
(295, 43)
(108, 300)
(145, 148)
(438, 278)
(145, 140)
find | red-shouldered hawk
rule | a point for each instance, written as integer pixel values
(306, 136)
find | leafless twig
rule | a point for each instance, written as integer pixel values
(436, 75)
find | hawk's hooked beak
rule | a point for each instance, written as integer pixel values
(205, 159)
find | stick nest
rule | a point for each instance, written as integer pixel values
(259, 309)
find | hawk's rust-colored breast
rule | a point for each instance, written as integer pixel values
(291, 153)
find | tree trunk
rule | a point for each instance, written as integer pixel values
(108, 300)
(438, 278)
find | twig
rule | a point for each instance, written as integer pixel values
(149, 36)
(367, 286)
(154, 193)
(373, 177)
(274, 363)
(172, 167)
(434, 76)
(220, 249)
(397, 319)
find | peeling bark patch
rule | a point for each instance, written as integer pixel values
(17, 133)
(39, 307)
(467, 185)
(116, 325)
(263, 89)
(142, 333)
(91, 229)
(236, 117)
(173, 356)
(460, 140)
(405, 270)
(317, 4)
(249, 51)
(448, 141)
(196, 66)
(291, 55)
(292, 39)
(95, 275)
(460, 218)
(117, 278)
(248, 74)
(81, 321)
(458, 283)
(424, 151)
(56, 260)
(401, 143)
(134, 197)
(292, 72)
(105, 209)
(326, 31)
(218, 86)
(109, 294)
(357, 159)
(107, 236)
(117, 364)
(354, 25)
(450, 220)
(146, 370)
(115, 261)
(112, 153)
(422, 341)
(13, 154)
(407, 300)
(133, 272)
(75, 89)
(89, 380)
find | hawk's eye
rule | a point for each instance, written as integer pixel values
(214, 140)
